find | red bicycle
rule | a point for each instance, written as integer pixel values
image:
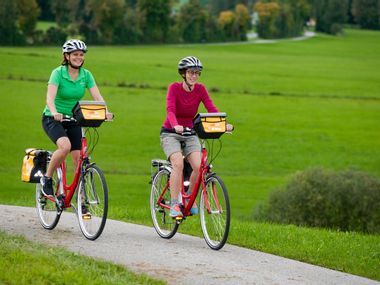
(214, 205)
(89, 185)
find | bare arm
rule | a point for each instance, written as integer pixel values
(50, 97)
(95, 93)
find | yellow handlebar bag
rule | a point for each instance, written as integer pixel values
(210, 125)
(90, 113)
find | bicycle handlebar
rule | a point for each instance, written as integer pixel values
(66, 118)
(188, 132)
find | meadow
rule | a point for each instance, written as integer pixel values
(294, 104)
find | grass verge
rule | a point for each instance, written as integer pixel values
(25, 262)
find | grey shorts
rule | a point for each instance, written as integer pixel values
(171, 143)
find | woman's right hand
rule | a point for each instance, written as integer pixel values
(178, 129)
(57, 116)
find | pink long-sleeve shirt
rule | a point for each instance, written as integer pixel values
(182, 106)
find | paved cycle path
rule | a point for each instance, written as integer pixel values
(180, 260)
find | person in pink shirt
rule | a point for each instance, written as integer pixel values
(182, 102)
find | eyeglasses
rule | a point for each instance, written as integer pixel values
(193, 72)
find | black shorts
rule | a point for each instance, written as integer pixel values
(56, 130)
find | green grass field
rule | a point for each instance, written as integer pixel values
(27, 263)
(295, 105)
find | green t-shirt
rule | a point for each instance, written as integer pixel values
(69, 91)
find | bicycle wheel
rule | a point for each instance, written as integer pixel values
(92, 198)
(47, 210)
(165, 226)
(215, 212)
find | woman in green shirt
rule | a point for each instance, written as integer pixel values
(66, 86)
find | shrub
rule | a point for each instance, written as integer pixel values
(347, 201)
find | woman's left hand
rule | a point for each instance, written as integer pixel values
(109, 116)
(229, 128)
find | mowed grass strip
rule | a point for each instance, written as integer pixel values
(322, 66)
(24, 262)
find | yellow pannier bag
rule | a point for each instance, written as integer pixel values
(90, 113)
(34, 165)
(210, 125)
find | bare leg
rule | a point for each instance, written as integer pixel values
(194, 159)
(176, 160)
(59, 155)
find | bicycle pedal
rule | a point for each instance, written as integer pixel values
(86, 217)
(179, 218)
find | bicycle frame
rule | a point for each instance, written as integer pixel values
(67, 191)
(204, 169)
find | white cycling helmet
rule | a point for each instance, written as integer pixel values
(189, 62)
(73, 45)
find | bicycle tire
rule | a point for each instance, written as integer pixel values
(93, 195)
(215, 212)
(47, 210)
(165, 226)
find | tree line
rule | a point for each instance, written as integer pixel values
(176, 21)
(284, 18)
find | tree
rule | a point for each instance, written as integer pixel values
(128, 32)
(106, 17)
(227, 20)
(154, 19)
(46, 12)
(282, 18)
(268, 13)
(28, 12)
(243, 20)
(235, 24)
(331, 15)
(292, 18)
(65, 11)
(9, 32)
(367, 13)
(191, 21)
(217, 6)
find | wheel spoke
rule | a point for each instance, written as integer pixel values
(165, 226)
(47, 211)
(215, 213)
(92, 203)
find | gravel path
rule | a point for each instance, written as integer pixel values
(185, 258)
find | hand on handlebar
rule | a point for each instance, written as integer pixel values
(178, 129)
(229, 128)
(57, 116)
(109, 117)
(184, 131)
(66, 118)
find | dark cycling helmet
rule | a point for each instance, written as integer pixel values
(189, 62)
(74, 45)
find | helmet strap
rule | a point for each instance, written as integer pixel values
(75, 67)
(185, 80)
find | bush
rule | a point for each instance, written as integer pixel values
(347, 201)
